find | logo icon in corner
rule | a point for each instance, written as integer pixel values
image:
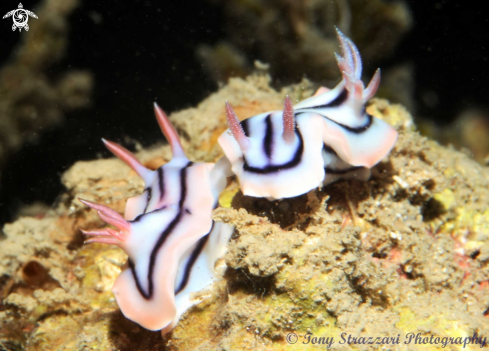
(20, 17)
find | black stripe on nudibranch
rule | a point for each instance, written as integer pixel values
(267, 140)
(329, 150)
(246, 127)
(132, 267)
(341, 98)
(138, 217)
(357, 130)
(162, 238)
(337, 101)
(341, 171)
(148, 198)
(183, 184)
(191, 261)
(296, 159)
(152, 258)
(161, 182)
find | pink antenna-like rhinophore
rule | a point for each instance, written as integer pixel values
(169, 132)
(371, 89)
(289, 121)
(129, 159)
(236, 129)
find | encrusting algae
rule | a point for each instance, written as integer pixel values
(405, 252)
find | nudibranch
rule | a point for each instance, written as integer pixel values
(168, 234)
(329, 136)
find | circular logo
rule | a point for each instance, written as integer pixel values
(292, 338)
(20, 17)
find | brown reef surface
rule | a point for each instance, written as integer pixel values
(407, 251)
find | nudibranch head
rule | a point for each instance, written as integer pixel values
(166, 232)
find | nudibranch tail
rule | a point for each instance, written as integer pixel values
(289, 121)
(169, 132)
(129, 159)
(236, 128)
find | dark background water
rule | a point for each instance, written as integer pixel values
(144, 51)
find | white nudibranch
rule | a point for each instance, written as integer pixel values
(168, 233)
